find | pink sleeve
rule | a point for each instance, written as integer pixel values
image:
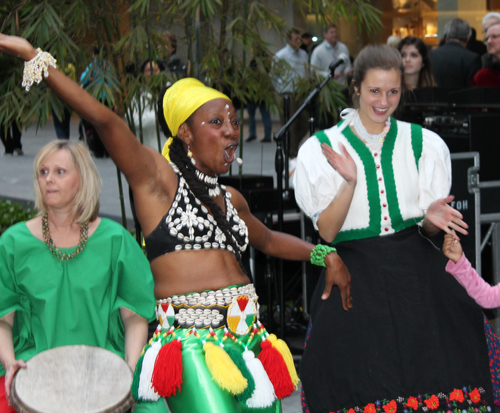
(483, 293)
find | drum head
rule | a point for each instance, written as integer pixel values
(73, 379)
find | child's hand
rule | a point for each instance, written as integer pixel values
(452, 248)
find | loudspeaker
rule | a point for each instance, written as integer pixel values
(247, 182)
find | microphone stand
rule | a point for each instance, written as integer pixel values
(279, 158)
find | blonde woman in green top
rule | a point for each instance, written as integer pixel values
(67, 276)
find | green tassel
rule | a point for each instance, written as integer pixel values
(240, 363)
(137, 373)
(137, 376)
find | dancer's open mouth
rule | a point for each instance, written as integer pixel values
(229, 153)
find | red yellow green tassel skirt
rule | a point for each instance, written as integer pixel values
(200, 365)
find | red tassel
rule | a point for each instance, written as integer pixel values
(276, 369)
(167, 374)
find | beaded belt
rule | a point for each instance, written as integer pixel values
(234, 307)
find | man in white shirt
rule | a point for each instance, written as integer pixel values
(292, 64)
(329, 51)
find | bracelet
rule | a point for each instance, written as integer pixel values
(319, 253)
(33, 68)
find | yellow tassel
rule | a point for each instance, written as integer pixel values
(224, 371)
(166, 149)
(283, 349)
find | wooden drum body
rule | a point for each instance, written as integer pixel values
(73, 379)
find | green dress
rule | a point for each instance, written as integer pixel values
(60, 303)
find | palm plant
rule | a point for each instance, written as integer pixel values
(221, 37)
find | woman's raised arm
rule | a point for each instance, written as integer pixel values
(134, 160)
(332, 218)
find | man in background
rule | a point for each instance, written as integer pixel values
(489, 19)
(329, 52)
(452, 64)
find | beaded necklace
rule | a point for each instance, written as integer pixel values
(211, 182)
(84, 235)
(365, 135)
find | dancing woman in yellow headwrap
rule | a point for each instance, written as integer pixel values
(204, 356)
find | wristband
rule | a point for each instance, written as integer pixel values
(319, 253)
(34, 68)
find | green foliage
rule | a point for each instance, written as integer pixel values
(11, 214)
(222, 37)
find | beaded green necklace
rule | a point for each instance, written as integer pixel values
(84, 235)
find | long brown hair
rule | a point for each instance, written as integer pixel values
(425, 77)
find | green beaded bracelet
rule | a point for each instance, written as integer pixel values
(319, 253)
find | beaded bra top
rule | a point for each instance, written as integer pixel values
(188, 225)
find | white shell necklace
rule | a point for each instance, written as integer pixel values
(365, 135)
(211, 182)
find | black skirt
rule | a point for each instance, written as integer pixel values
(413, 333)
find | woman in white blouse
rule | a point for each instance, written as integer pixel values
(377, 189)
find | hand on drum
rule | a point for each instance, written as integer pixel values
(10, 372)
(446, 218)
(337, 274)
(342, 163)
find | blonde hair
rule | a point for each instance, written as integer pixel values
(86, 202)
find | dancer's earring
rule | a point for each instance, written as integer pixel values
(190, 156)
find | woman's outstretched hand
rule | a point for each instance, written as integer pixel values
(17, 46)
(444, 217)
(343, 163)
(337, 274)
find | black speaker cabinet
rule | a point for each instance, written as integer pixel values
(478, 132)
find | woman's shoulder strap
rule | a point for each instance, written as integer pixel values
(321, 135)
(322, 138)
(416, 141)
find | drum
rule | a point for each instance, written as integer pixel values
(73, 379)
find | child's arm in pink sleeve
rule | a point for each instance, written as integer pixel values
(483, 293)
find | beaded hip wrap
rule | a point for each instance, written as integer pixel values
(234, 307)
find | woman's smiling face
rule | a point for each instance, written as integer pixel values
(379, 96)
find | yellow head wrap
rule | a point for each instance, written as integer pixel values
(181, 100)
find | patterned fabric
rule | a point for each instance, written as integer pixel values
(494, 354)
(435, 328)
(464, 400)
(391, 168)
(188, 225)
(233, 307)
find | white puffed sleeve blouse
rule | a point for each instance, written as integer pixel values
(397, 180)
